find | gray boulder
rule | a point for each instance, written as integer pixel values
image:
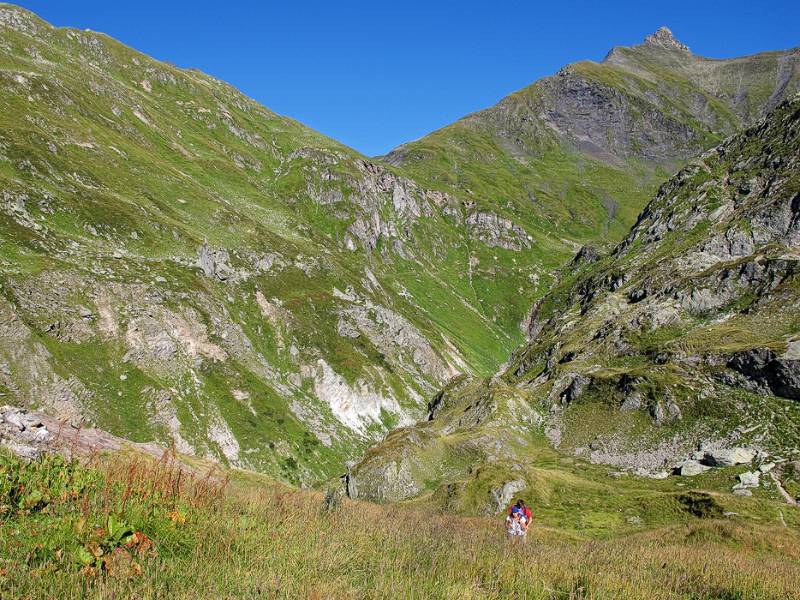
(690, 468)
(729, 457)
(749, 479)
(504, 495)
(214, 263)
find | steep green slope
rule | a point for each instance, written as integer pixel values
(69, 531)
(667, 353)
(179, 263)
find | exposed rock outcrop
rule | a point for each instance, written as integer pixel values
(496, 231)
(214, 263)
(781, 376)
(663, 37)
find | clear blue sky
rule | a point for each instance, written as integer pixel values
(376, 74)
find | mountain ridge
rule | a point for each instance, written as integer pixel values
(180, 264)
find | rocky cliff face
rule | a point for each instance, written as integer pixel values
(695, 291)
(679, 345)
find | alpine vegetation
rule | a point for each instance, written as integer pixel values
(240, 359)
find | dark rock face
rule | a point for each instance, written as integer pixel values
(466, 401)
(713, 253)
(575, 388)
(454, 393)
(762, 366)
(587, 254)
(609, 124)
(533, 325)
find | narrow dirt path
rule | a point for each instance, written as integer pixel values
(786, 495)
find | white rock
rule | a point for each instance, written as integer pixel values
(16, 419)
(42, 435)
(742, 492)
(766, 467)
(689, 468)
(730, 457)
(750, 478)
(356, 406)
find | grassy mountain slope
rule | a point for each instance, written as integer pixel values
(130, 527)
(680, 342)
(178, 262)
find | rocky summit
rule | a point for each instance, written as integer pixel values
(181, 266)
(663, 37)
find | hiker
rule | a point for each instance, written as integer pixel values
(518, 520)
(516, 524)
(520, 505)
(513, 527)
(525, 510)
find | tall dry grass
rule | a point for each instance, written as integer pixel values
(253, 542)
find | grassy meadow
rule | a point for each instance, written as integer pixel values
(137, 528)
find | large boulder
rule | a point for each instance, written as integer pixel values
(729, 457)
(689, 468)
(505, 494)
(749, 479)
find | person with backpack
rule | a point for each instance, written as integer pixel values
(518, 520)
(521, 506)
(514, 523)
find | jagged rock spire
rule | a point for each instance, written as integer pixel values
(663, 37)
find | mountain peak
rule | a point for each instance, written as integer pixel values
(663, 37)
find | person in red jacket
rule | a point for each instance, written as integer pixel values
(518, 520)
(525, 510)
(522, 508)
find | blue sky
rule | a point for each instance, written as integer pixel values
(376, 74)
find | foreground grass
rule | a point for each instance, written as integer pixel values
(131, 528)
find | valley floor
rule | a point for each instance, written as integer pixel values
(139, 528)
